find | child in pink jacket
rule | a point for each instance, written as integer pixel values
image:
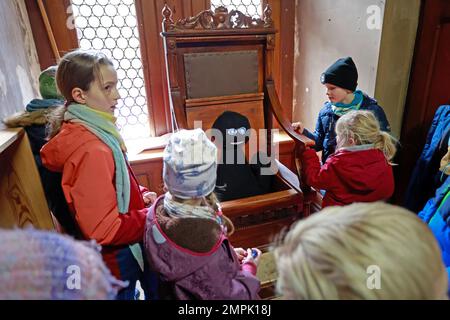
(186, 235)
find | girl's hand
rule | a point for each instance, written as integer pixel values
(298, 126)
(241, 254)
(149, 198)
(253, 255)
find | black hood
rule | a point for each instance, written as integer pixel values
(234, 129)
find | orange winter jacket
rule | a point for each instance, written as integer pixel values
(88, 172)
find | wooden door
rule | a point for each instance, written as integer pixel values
(429, 87)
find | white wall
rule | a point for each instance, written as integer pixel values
(19, 66)
(378, 34)
(325, 31)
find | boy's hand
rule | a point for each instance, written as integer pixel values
(298, 126)
(149, 198)
(253, 255)
(241, 254)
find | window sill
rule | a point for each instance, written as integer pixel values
(150, 149)
(147, 148)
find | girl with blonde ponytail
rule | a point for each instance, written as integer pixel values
(360, 170)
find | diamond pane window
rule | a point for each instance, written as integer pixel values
(111, 27)
(252, 8)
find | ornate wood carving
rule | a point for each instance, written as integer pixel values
(220, 19)
(268, 22)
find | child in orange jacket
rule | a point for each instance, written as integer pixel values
(100, 188)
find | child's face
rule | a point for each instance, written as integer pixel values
(336, 94)
(103, 94)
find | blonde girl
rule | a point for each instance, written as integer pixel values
(361, 251)
(360, 170)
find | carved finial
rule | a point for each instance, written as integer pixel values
(221, 10)
(167, 21)
(268, 22)
(220, 18)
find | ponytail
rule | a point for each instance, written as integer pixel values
(386, 143)
(364, 128)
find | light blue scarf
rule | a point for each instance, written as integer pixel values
(340, 108)
(102, 124)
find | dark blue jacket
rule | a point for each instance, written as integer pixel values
(325, 135)
(436, 214)
(51, 181)
(426, 177)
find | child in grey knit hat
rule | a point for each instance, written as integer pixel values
(186, 237)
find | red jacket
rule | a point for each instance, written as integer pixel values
(88, 172)
(350, 176)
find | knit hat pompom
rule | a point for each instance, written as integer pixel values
(342, 73)
(47, 84)
(190, 164)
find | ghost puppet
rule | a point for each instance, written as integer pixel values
(236, 178)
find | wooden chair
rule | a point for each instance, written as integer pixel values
(218, 61)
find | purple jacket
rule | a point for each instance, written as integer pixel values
(213, 275)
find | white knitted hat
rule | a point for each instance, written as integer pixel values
(190, 164)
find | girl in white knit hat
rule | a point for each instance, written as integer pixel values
(186, 235)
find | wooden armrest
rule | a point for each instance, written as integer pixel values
(275, 105)
(301, 141)
(253, 205)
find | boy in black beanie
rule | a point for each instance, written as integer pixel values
(341, 80)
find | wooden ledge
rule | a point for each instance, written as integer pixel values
(151, 149)
(8, 136)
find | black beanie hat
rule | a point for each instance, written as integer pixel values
(342, 73)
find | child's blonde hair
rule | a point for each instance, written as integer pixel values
(364, 128)
(77, 69)
(336, 254)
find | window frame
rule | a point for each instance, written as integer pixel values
(149, 17)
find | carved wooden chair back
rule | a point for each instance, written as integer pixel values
(222, 61)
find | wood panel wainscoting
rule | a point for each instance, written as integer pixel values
(22, 199)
